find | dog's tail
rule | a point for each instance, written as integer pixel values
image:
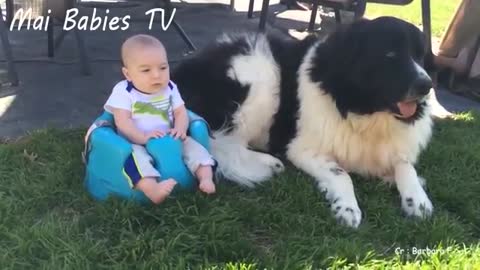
(236, 162)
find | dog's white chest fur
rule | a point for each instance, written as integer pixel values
(366, 144)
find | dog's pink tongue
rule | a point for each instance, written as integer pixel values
(407, 109)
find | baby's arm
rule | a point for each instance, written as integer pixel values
(181, 122)
(125, 125)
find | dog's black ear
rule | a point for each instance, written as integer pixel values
(418, 40)
(345, 44)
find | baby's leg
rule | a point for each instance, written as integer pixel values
(205, 178)
(157, 192)
(200, 163)
(143, 176)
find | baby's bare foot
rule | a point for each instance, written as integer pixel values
(161, 190)
(207, 186)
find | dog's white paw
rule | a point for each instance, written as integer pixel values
(275, 164)
(422, 182)
(346, 212)
(417, 203)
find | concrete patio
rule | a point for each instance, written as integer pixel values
(53, 92)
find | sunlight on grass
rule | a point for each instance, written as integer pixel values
(451, 257)
(49, 221)
(465, 117)
(441, 13)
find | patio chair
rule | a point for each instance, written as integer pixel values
(7, 50)
(458, 56)
(166, 4)
(356, 6)
(58, 9)
(359, 7)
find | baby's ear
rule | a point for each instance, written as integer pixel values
(125, 73)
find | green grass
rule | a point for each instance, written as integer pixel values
(441, 13)
(48, 220)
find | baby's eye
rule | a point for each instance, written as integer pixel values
(145, 70)
(164, 68)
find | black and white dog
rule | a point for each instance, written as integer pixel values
(356, 102)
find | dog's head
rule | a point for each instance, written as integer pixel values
(375, 65)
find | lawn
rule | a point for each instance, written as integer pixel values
(49, 221)
(441, 13)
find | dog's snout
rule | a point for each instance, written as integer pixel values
(422, 83)
(421, 86)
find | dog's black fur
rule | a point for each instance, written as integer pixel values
(354, 65)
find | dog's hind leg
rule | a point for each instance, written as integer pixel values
(239, 164)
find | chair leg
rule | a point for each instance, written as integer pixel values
(184, 36)
(9, 8)
(359, 8)
(12, 73)
(50, 40)
(313, 15)
(263, 15)
(338, 16)
(82, 53)
(178, 28)
(250, 9)
(427, 27)
(60, 38)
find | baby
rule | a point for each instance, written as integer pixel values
(148, 105)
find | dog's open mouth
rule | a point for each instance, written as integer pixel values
(407, 108)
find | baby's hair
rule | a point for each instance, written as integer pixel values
(141, 40)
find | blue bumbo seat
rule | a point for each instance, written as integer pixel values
(106, 152)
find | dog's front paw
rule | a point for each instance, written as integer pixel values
(422, 182)
(417, 204)
(275, 164)
(347, 212)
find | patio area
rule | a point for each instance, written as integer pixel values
(53, 92)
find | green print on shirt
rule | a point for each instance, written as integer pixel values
(147, 108)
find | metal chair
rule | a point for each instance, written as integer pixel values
(166, 4)
(12, 72)
(58, 9)
(358, 7)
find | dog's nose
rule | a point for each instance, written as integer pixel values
(421, 86)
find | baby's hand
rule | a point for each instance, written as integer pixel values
(178, 133)
(154, 134)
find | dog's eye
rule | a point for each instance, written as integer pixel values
(391, 54)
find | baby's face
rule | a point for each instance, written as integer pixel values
(148, 69)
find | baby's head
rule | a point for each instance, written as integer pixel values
(145, 63)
